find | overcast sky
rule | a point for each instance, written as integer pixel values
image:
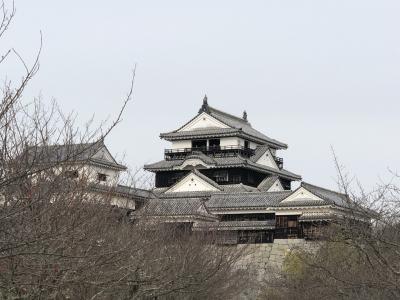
(309, 73)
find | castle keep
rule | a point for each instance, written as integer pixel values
(222, 175)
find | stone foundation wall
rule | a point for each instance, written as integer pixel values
(264, 256)
(263, 259)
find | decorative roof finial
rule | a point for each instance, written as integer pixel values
(245, 115)
(204, 107)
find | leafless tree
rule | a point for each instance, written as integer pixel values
(59, 240)
(357, 260)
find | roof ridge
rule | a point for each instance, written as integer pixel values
(259, 152)
(131, 187)
(212, 109)
(322, 188)
(268, 179)
(255, 192)
(64, 145)
(211, 128)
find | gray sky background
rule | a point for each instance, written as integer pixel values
(310, 73)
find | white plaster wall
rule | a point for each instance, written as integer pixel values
(225, 141)
(92, 171)
(252, 145)
(58, 171)
(230, 141)
(181, 144)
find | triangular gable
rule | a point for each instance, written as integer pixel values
(192, 183)
(267, 159)
(202, 209)
(267, 183)
(302, 195)
(104, 154)
(203, 120)
(276, 186)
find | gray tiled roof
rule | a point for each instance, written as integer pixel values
(135, 192)
(71, 153)
(238, 126)
(236, 225)
(126, 191)
(234, 198)
(174, 208)
(224, 162)
(250, 200)
(240, 187)
(330, 197)
(260, 150)
(305, 217)
(282, 172)
(201, 132)
(228, 188)
(244, 125)
(200, 155)
(159, 190)
(267, 183)
(230, 160)
(176, 195)
(304, 202)
(163, 165)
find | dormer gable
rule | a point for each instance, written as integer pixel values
(194, 182)
(202, 209)
(276, 186)
(302, 195)
(203, 120)
(104, 154)
(267, 159)
(271, 184)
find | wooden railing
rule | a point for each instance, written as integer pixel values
(180, 153)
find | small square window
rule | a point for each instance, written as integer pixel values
(71, 174)
(101, 177)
